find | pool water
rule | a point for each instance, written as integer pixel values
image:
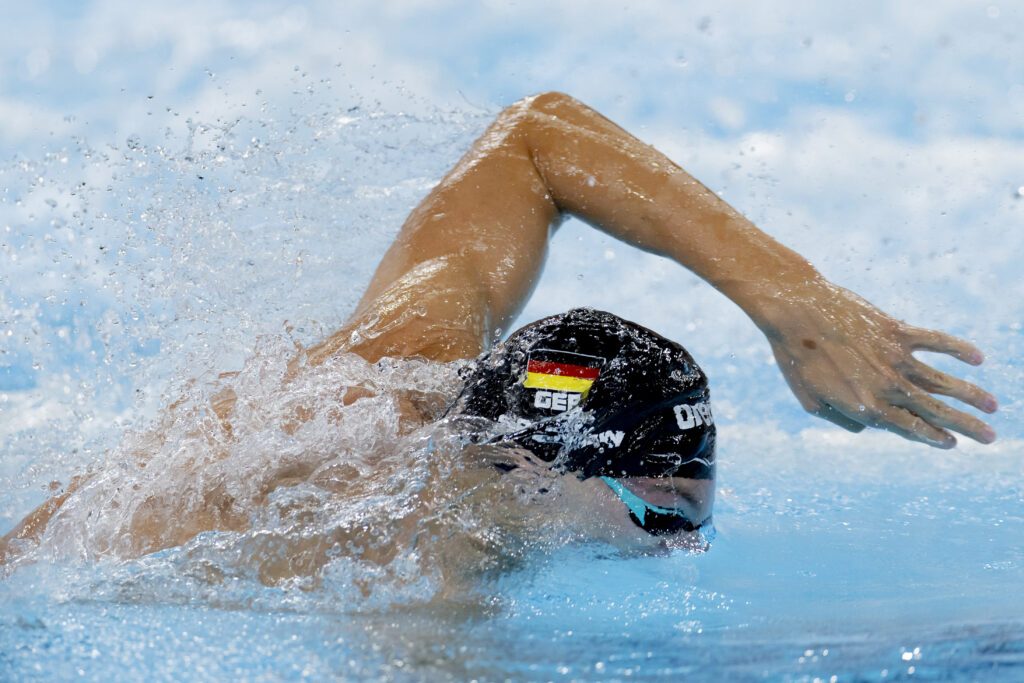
(914, 574)
(140, 268)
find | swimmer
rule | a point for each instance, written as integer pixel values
(587, 393)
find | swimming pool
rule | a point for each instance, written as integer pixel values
(904, 568)
(239, 214)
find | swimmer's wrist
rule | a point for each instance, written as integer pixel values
(765, 278)
(772, 302)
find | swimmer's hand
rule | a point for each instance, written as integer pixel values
(853, 365)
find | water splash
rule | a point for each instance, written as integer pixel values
(339, 477)
(135, 273)
(131, 268)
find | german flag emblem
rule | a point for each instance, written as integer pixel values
(562, 371)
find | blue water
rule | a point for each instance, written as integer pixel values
(208, 191)
(808, 578)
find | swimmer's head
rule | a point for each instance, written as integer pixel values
(597, 395)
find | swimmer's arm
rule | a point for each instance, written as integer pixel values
(466, 258)
(844, 359)
(469, 255)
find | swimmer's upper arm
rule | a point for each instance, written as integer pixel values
(466, 258)
(488, 222)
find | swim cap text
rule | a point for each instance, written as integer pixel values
(690, 416)
(559, 401)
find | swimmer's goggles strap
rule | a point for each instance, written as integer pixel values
(653, 519)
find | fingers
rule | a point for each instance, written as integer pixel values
(823, 410)
(891, 418)
(930, 409)
(922, 339)
(935, 382)
(837, 418)
(937, 413)
(857, 387)
(913, 427)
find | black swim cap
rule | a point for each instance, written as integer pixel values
(597, 395)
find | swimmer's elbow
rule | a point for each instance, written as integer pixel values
(552, 102)
(542, 105)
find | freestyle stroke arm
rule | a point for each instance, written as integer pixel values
(469, 255)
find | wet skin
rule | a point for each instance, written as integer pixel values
(469, 255)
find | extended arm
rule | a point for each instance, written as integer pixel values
(469, 255)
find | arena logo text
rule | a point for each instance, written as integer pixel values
(690, 416)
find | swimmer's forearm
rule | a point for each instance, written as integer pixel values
(607, 177)
(716, 242)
